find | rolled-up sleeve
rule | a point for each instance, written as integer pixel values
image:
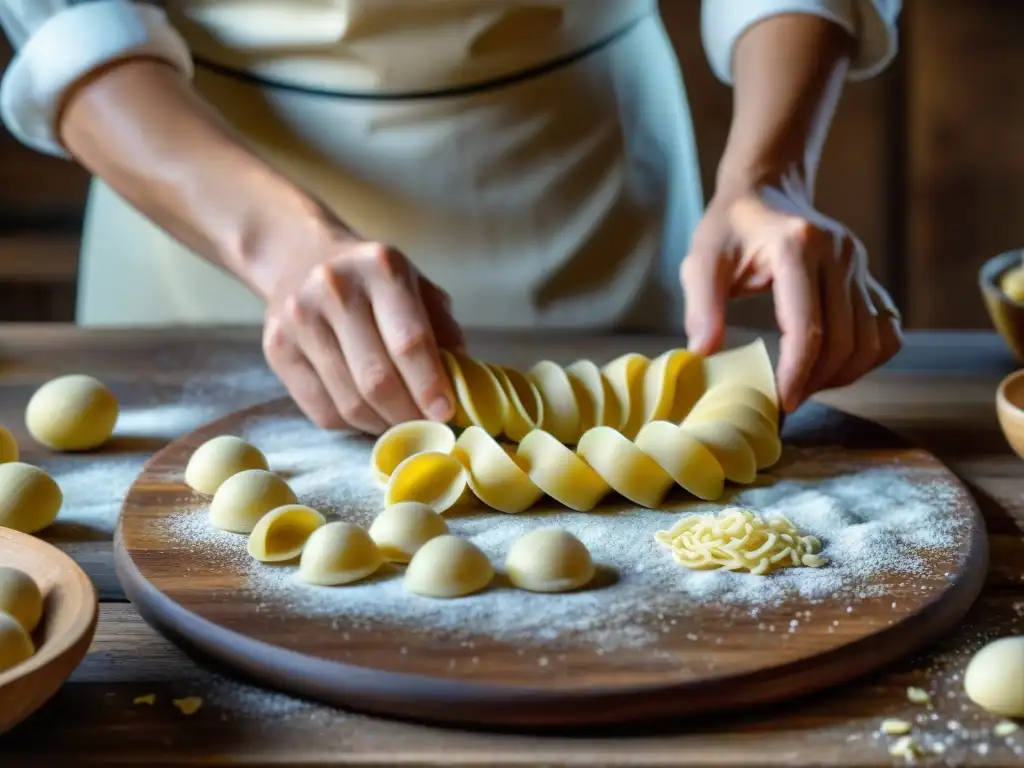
(58, 42)
(871, 23)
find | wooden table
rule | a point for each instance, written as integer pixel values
(938, 391)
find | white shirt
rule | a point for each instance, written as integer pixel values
(60, 41)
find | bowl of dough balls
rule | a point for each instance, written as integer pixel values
(48, 610)
(1002, 286)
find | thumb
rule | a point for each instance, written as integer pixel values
(705, 279)
(438, 305)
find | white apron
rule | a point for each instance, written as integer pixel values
(535, 159)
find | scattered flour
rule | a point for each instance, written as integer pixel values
(878, 525)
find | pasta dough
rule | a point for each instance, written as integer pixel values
(739, 540)
(72, 413)
(446, 567)
(15, 643)
(280, 534)
(219, 458)
(8, 446)
(339, 553)
(640, 427)
(549, 560)
(29, 498)
(244, 498)
(20, 598)
(994, 678)
(400, 530)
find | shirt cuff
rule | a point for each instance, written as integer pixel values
(872, 23)
(69, 46)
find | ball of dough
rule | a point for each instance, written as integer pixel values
(447, 566)
(29, 498)
(1012, 284)
(994, 678)
(339, 553)
(8, 446)
(244, 498)
(549, 560)
(280, 534)
(20, 597)
(401, 529)
(15, 643)
(219, 458)
(72, 413)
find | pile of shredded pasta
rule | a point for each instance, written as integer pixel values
(738, 539)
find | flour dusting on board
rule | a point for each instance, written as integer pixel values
(877, 526)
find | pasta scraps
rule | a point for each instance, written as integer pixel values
(739, 539)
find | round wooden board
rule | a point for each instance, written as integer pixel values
(698, 656)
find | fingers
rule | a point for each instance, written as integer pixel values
(798, 313)
(705, 279)
(838, 333)
(408, 336)
(304, 384)
(879, 338)
(438, 306)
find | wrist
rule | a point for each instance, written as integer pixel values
(740, 178)
(279, 236)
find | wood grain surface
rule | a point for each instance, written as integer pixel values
(939, 391)
(709, 656)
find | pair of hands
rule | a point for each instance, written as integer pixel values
(354, 333)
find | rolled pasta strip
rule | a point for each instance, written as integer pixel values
(748, 365)
(684, 458)
(627, 469)
(759, 433)
(493, 474)
(479, 397)
(525, 407)
(561, 409)
(741, 395)
(729, 448)
(408, 439)
(432, 478)
(597, 401)
(560, 473)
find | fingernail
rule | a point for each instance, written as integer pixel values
(440, 409)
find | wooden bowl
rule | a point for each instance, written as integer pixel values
(63, 635)
(1006, 314)
(1010, 410)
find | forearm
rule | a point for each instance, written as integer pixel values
(789, 72)
(141, 128)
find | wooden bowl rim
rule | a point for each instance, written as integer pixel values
(55, 647)
(1005, 402)
(993, 269)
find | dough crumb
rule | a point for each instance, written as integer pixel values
(918, 695)
(189, 705)
(149, 698)
(1005, 728)
(906, 748)
(895, 727)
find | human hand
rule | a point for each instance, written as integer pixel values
(353, 330)
(837, 322)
